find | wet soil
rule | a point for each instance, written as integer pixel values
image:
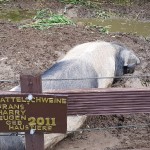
(29, 48)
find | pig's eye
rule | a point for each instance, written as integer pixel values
(125, 69)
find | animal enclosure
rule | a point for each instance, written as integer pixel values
(89, 102)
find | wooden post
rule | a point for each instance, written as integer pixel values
(32, 84)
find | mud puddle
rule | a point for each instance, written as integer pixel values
(112, 25)
(16, 15)
(119, 25)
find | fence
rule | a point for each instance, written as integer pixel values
(91, 102)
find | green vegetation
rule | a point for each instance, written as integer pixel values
(102, 14)
(87, 3)
(123, 2)
(102, 29)
(75, 2)
(44, 13)
(97, 3)
(3, 1)
(45, 19)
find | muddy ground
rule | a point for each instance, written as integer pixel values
(29, 48)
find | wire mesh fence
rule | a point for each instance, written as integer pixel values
(143, 125)
(135, 126)
(55, 79)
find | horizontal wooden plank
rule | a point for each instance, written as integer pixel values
(106, 101)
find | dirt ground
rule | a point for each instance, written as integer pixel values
(29, 48)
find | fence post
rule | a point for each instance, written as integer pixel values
(31, 83)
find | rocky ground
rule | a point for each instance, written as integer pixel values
(29, 48)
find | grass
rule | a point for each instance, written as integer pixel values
(75, 2)
(3, 1)
(101, 29)
(45, 19)
(102, 14)
(87, 3)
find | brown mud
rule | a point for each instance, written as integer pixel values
(29, 48)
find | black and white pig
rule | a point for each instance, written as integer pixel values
(93, 59)
(89, 60)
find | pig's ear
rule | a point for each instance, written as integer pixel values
(131, 60)
(131, 65)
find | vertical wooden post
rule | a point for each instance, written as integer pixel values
(32, 84)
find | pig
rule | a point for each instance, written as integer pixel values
(92, 60)
(86, 65)
(89, 63)
(11, 142)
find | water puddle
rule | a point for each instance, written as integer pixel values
(120, 25)
(116, 24)
(16, 15)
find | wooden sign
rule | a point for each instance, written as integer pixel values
(38, 112)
